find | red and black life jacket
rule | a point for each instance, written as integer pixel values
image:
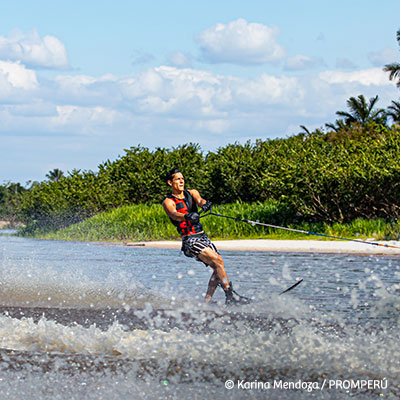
(185, 206)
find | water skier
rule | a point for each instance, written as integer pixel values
(181, 207)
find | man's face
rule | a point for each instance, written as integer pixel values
(178, 182)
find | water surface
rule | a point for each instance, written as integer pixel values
(85, 320)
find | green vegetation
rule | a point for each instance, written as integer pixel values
(149, 222)
(55, 175)
(321, 177)
(10, 199)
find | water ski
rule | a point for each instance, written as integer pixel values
(291, 287)
(234, 298)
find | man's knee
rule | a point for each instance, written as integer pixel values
(211, 257)
(218, 261)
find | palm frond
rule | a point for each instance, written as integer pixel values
(344, 114)
(305, 129)
(394, 72)
(394, 111)
(337, 126)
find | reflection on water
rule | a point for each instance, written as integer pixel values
(85, 320)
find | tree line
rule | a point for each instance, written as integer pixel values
(335, 176)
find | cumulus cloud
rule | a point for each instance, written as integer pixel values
(17, 76)
(34, 51)
(366, 77)
(154, 105)
(240, 42)
(301, 63)
(267, 90)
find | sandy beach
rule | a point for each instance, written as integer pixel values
(316, 246)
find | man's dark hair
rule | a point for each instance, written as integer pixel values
(171, 173)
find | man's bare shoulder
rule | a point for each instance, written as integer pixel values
(194, 192)
(167, 200)
(169, 206)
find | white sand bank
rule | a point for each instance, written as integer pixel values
(317, 246)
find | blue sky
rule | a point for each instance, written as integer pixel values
(81, 81)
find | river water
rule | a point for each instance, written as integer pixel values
(92, 321)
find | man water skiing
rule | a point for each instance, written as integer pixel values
(181, 208)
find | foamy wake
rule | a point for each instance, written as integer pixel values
(304, 349)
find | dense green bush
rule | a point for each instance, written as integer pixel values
(139, 175)
(10, 199)
(336, 176)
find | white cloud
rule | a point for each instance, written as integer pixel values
(33, 51)
(366, 77)
(17, 75)
(240, 42)
(167, 106)
(268, 90)
(92, 121)
(301, 62)
(173, 91)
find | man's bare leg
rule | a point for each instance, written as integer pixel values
(212, 286)
(215, 261)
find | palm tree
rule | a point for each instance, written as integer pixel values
(55, 175)
(394, 111)
(363, 112)
(394, 68)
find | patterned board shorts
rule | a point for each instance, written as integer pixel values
(193, 245)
